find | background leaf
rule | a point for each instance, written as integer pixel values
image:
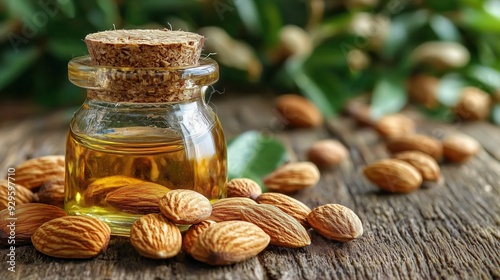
(480, 20)
(15, 63)
(449, 89)
(261, 17)
(495, 114)
(445, 29)
(252, 155)
(68, 8)
(389, 95)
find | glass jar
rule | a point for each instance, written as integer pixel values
(140, 133)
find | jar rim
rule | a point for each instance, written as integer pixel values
(82, 73)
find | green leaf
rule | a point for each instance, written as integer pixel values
(441, 113)
(485, 75)
(169, 5)
(68, 8)
(21, 8)
(252, 155)
(480, 20)
(396, 39)
(110, 12)
(261, 17)
(14, 63)
(486, 53)
(333, 26)
(309, 86)
(449, 89)
(66, 48)
(445, 29)
(399, 30)
(442, 6)
(389, 95)
(495, 114)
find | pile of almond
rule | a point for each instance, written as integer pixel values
(239, 227)
(416, 157)
(230, 230)
(36, 180)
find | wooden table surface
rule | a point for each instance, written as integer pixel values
(451, 231)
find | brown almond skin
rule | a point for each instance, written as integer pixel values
(243, 187)
(29, 217)
(460, 148)
(298, 111)
(292, 177)
(422, 89)
(73, 237)
(283, 229)
(229, 242)
(142, 198)
(191, 235)
(287, 204)
(185, 207)
(425, 164)
(393, 175)
(416, 142)
(228, 209)
(155, 237)
(327, 153)
(360, 111)
(34, 172)
(97, 191)
(52, 192)
(336, 222)
(395, 125)
(21, 194)
(474, 104)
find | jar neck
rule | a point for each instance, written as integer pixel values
(136, 96)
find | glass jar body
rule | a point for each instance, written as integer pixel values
(120, 155)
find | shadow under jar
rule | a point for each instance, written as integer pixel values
(140, 130)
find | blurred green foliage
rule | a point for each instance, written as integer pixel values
(340, 49)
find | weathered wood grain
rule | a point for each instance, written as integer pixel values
(449, 231)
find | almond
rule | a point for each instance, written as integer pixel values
(185, 207)
(298, 111)
(393, 175)
(97, 190)
(18, 193)
(155, 237)
(243, 187)
(423, 89)
(75, 237)
(395, 125)
(336, 222)
(292, 177)
(52, 192)
(442, 55)
(474, 104)
(425, 164)
(191, 235)
(21, 223)
(283, 229)
(360, 111)
(327, 153)
(416, 142)
(460, 148)
(228, 209)
(142, 198)
(34, 172)
(289, 205)
(229, 242)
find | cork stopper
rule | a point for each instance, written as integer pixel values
(144, 48)
(145, 54)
